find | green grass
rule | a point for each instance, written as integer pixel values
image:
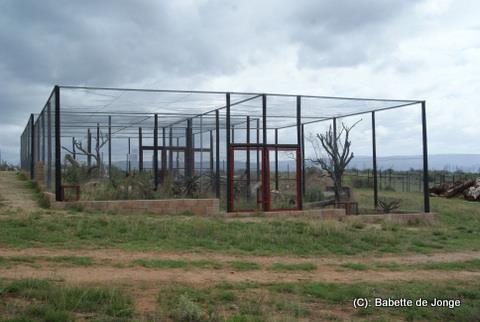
(65, 260)
(161, 263)
(300, 300)
(292, 267)
(48, 301)
(244, 266)
(355, 266)
(468, 265)
(37, 193)
(458, 229)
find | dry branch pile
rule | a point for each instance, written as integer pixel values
(469, 190)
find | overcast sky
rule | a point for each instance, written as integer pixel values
(371, 48)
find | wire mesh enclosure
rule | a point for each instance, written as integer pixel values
(248, 149)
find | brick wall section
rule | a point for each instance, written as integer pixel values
(325, 213)
(199, 207)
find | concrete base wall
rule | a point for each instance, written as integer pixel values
(199, 207)
(334, 214)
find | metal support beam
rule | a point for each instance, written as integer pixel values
(217, 154)
(74, 149)
(301, 156)
(89, 148)
(58, 151)
(276, 160)
(265, 174)
(258, 152)
(247, 165)
(163, 173)
(155, 152)
(109, 146)
(426, 193)
(32, 146)
(49, 146)
(303, 177)
(140, 150)
(189, 152)
(229, 156)
(374, 159)
(170, 152)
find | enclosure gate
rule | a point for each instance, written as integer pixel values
(251, 194)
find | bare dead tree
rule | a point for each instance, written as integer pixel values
(338, 154)
(100, 142)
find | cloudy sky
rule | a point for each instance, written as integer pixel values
(425, 49)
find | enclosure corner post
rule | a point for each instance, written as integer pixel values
(229, 159)
(247, 165)
(58, 161)
(109, 146)
(426, 193)
(374, 160)
(140, 150)
(217, 154)
(276, 160)
(265, 168)
(155, 152)
(32, 146)
(300, 155)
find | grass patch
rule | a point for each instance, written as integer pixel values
(244, 266)
(468, 265)
(72, 260)
(48, 301)
(68, 260)
(292, 267)
(308, 300)
(355, 266)
(37, 192)
(168, 263)
(300, 236)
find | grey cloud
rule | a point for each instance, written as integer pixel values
(344, 33)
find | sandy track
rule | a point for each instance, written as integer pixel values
(102, 274)
(122, 256)
(14, 193)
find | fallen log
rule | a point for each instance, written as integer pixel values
(458, 189)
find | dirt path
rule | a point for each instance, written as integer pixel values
(13, 192)
(121, 256)
(133, 275)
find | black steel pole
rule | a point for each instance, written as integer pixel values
(32, 146)
(247, 165)
(426, 193)
(217, 154)
(265, 174)
(258, 151)
(49, 146)
(43, 138)
(129, 168)
(301, 144)
(74, 149)
(276, 160)
(89, 148)
(164, 155)
(374, 159)
(304, 182)
(229, 161)
(170, 152)
(155, 152)
(189, 151)
(109, 146)
(58, 151)
(140, 150)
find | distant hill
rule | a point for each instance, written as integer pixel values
(450, 162)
